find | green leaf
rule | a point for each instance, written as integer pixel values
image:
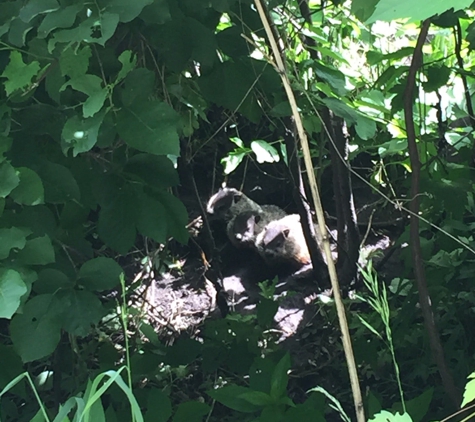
(9, 179)
(152, 219)
(232, 161)
(38, 251)
(100, 274)
(18, 32)
(469, 392)
(389, 10)
(154, 171)
(257, 398)
(265, 153)
(74, 63)
(365, 127)
(191, 411)
(230, 396)
(137, 86)
(129, 61)
(81, 134)
(159, 407)
(156, 13)
(127, 10)
(332, 76)
(19, 74)
(62, 18)
(12, 288)
(76, 35)
(30, 191)
(385, 416)
(116, 224)
(79, 310)
(12, 238)
(36, 7)
(36, 332)
(278, 382)
(59, 183)
(51, 280)
(150, 126)
(177, 216)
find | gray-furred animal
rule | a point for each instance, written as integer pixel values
(283, 242)
(227, 203)
(247, 225)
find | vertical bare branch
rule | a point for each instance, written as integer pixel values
(419, 272)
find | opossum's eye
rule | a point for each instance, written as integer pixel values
(237, 198)
(257, 218)
(286, 233)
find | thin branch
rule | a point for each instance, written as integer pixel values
(419, 272)
(350, 359)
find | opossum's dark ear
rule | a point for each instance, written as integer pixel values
(286, 233)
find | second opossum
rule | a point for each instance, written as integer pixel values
(245, 227)
(228, 204)
(283, 242)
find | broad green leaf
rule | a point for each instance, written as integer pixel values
(19, 74)
(469, 392)
(265, 153)
(35, 7)
(12, 238)
(389, 10)
(74, 63)
(177, 216)
(117, 223)
(230, 396)
(363, 9)
(150, 126)
(385, 416)
(257, 398)
(75, 35)
(59, 183)
(278, 382)
(12, 288)
(108, 22)
(11, 367)
(100, 274)
(30, 191)
(125, 9)
(79, 310)
(332, 76)
(153, 170)
(235, 85)
(191, 411)
(81, 134)
(156, 13)
(159, 407)
(9, 179)
(37, 251)
(50, 280)
(129, 61)
(152, 219)
(137, 86)
(232, 161)
(5, 145)
(36, 332)
(18, 32)
(365, 127)
(62, 18)
(420, 405)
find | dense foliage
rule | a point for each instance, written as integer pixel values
(105, 105)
